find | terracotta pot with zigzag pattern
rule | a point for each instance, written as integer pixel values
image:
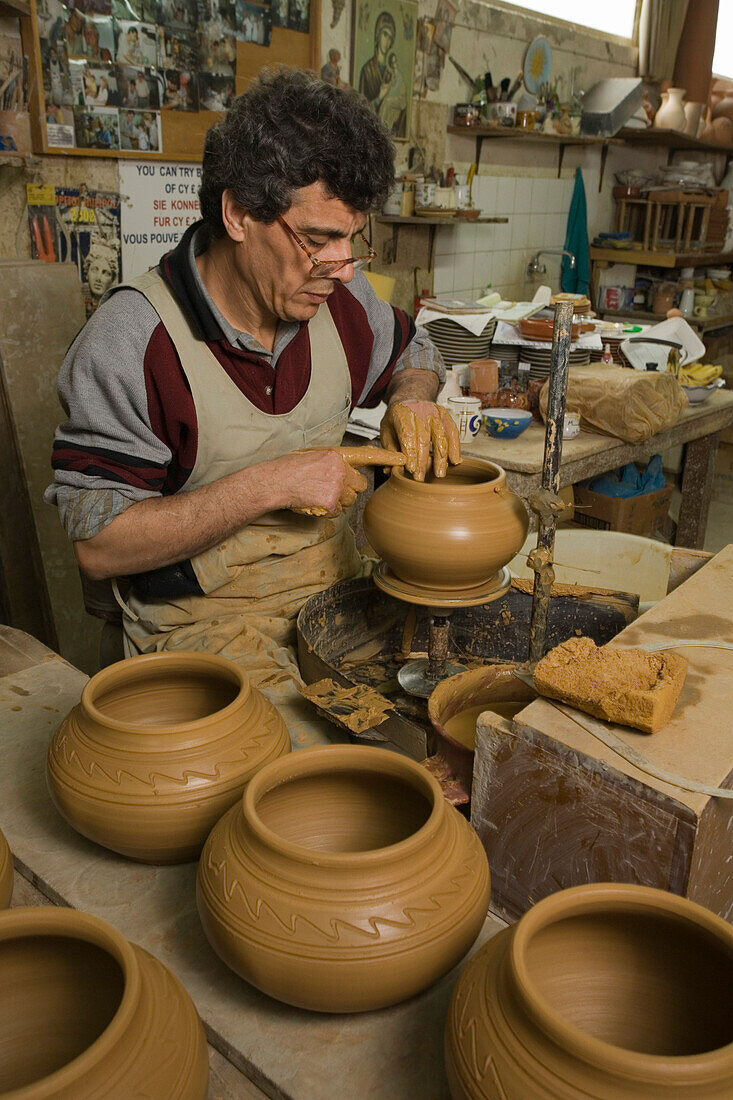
(343, 881)
(157, 749)
(85, 1014)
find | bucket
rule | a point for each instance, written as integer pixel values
(606, 559)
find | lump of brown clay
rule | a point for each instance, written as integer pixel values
(631, 687)
(343, 881)
(447, 533)
(85, 1014)
(609, 991)
(6, 873)
(157, 749)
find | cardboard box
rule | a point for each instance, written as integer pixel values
(640, 515)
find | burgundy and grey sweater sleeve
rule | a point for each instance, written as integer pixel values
(106, 455)
(387, 341)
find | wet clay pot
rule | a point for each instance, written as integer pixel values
(85, 1014)
(157, 749)
(607, 991)
(453, 709)
(447, 533)
(343, 881)
(6, 873)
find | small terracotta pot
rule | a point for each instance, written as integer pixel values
(157, 749)
(447, 533)
(85, 1014)
(494, 686)
(608, 991)
(6, 873)
(343, 881)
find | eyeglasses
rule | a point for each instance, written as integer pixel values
(327, 268)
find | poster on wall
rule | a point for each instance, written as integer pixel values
(383, 58)
(161, 201)
(70, 224)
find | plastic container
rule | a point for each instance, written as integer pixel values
(606, 559)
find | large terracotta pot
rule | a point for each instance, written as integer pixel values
(447, 533)
(85, 1014)
(343, 881)
(608, 991)
(157, 749)
(6, 873)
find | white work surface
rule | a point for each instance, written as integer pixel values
(395, 1053)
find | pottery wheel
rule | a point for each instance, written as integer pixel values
(492, 589)
(420, 677)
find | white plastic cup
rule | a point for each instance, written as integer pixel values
(466, 411)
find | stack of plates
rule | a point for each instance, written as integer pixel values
(507, 354)
(541, 358)
(619, 358)
(456, 344)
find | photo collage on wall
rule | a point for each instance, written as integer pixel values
(111, 68)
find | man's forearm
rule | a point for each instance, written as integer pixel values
(163, 530)
(413, 384)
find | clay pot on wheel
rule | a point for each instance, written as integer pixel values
(447, 533)
(85, 1014)
(343, 881)
(6, 873)
(608, 991)
(157, 749)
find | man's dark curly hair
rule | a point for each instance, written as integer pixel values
(288, 130)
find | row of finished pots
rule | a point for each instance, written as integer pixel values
(339, 864)
(326, 864)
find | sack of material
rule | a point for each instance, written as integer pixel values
(631, 405)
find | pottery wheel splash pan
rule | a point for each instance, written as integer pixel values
(352, 633)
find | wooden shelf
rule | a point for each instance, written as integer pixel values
(670, 139)
(560, 141)
(389, 248)
(14, 7)
(660, 259)
(396, 219)
(516, 134)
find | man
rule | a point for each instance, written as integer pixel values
(203, 397)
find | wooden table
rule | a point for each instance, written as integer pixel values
(256, 1043)
(591, 454)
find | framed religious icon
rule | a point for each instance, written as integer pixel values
(383, 59)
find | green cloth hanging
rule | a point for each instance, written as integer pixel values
(576, 280)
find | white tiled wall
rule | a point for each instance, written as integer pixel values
(470, 257)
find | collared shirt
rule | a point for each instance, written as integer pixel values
(131, 429)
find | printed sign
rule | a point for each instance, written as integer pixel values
(159, 202)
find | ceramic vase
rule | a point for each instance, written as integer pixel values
(6, 873)
(343, 881)
(609, 991)
(85, 1014)
(157, 749)
(693, 114)
(447, 533)
(671, 114)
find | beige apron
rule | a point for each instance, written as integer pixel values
(255, 581)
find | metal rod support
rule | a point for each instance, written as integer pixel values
(438, 647)
(541, 558)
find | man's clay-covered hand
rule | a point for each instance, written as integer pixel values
(324, 481)
(411, 426)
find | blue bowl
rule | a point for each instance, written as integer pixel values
(506, 423)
